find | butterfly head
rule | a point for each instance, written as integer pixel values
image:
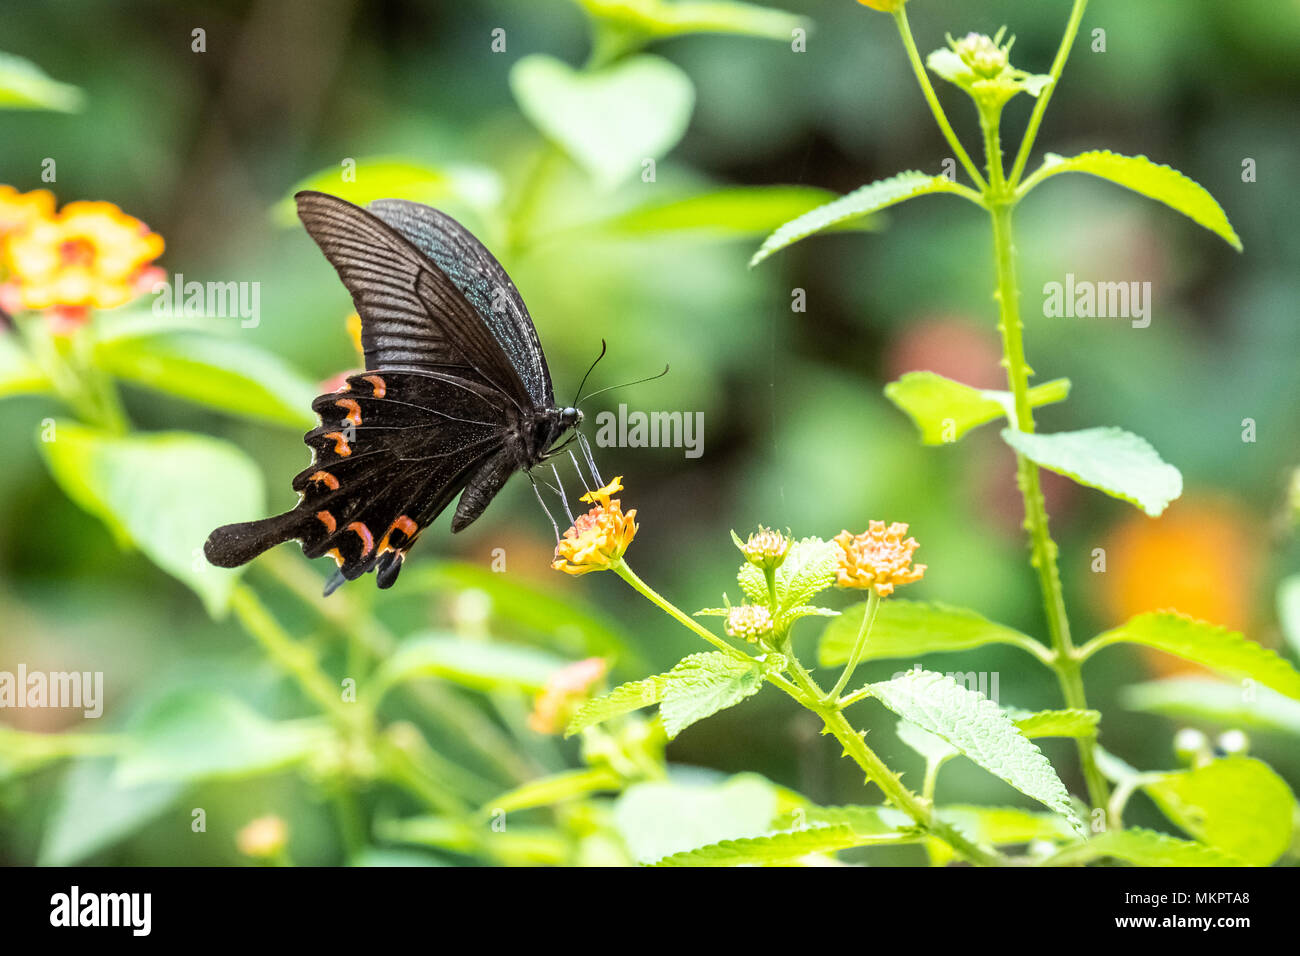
(570, 417)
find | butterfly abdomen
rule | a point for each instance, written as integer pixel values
(235, 544)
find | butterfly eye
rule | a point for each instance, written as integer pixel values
(571, 417)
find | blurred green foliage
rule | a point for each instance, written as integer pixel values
(412, 99)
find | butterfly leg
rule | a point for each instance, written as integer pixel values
(591, 462)
(538, 493)
(564, 499)
(578, 470)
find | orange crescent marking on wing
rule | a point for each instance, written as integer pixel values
(341, 447)
(380, 387)
(402, 524)
(367, 540)
(353, 409)
(327, 520)
(331, 482)
(338, 558)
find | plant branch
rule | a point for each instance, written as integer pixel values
(927, 90)
(1040, 107)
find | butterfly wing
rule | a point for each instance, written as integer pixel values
(392, 451)
(482, 280)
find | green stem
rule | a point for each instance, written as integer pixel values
(1043, 550)
(1040, 107)
(927, 90)
(859, 645)
(890, 784)
(650, 594)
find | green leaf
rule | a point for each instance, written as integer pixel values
(1109, 459)
(477, 664)
(944, 410)
(1147, 178)
(1237, 805)
(658, 818)
(1217, 648)
(775, 848)
(398, 177)
(980, 730)
(808, 569)
(515, 846)
(1192, 698)
(800, 611)
(609, 120)
(24, 86)
(219, 372)
(906, 628)
(621, 700)
(552, 789)
(91, 812)
(1058, 723)
(893, 825)
(703, 684)
(189, 736)
(659, 18)
(861, 202)
(18, 374)
(933, 748)
(1003, 826)
(1142, 848)
(162, 492)
(735, 212)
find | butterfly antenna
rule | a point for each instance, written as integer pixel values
(563, 497)
(537, 491)
(639, 381)
(589, 371)
(591, 462)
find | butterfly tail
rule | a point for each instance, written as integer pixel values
(235, 544)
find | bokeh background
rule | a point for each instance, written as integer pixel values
(203, 146)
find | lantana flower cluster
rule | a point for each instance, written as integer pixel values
(67, 262)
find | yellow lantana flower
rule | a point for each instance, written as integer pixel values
(599, 537)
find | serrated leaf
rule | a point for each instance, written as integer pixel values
(906, 628)
(775, 848)
(621, 700)
(933, 748)
(1147, 178)
(865, 820)
(480, 665)
(980, 730)
(219, 372)
(658, 18)
(702, 685)
(1003, 826)
(861, 202)
(1142, 848)
(1228, 652)
(1109, 459)
(808, 569)
(161, 492)
(1193, 698)
(1073, 722)
(25, 86)
(788, 617)
(944, 410)
(609, 120)
(1237, 805)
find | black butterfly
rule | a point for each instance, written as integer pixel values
(456, 394)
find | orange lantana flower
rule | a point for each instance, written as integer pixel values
(566, 689)
(879, 558)
(20, 210)
(599, 537)
(91, 254)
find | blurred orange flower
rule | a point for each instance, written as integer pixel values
(19, 210)
(879, 558)
(564, 691)
(91, 254)
(599, 537)
(1200, 558)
